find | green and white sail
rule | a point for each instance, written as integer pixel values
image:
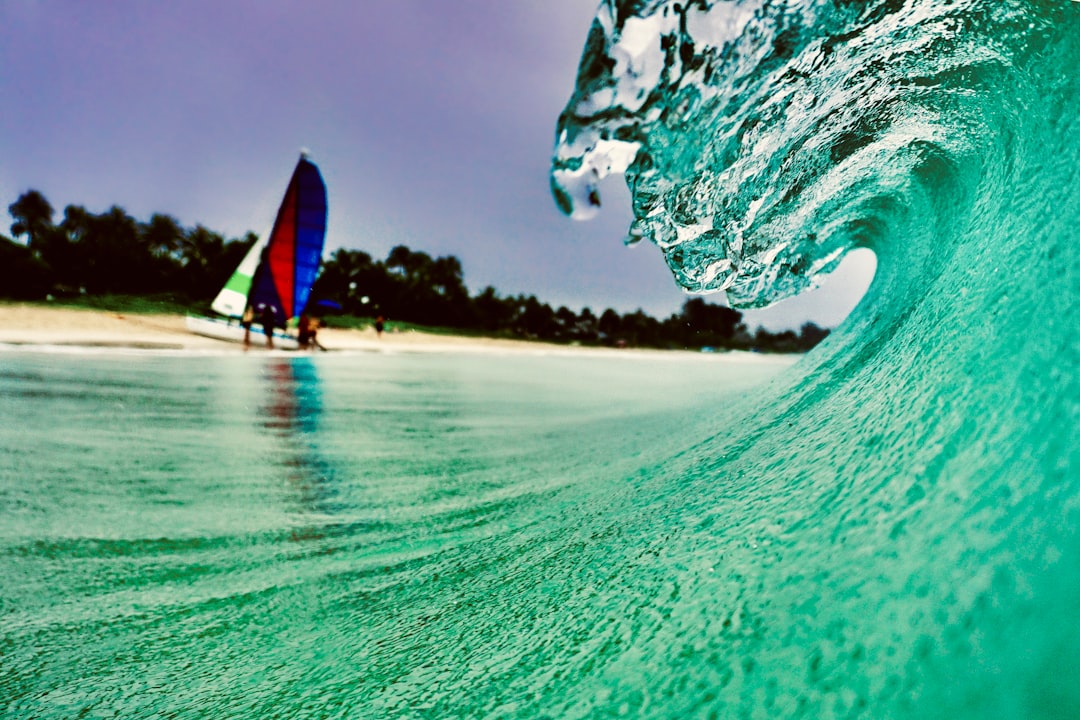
(233, 298)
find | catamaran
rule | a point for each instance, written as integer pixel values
(276, 275)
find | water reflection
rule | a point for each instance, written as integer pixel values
(291, 415)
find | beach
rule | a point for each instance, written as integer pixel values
(34, 325)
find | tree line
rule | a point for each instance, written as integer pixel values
(414, 287)
(112, 253)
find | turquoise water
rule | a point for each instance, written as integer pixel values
(359, 535)
(892, 530)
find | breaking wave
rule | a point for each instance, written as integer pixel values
(892, 530)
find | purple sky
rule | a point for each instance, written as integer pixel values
(432, 123)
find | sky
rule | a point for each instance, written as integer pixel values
(432, 122)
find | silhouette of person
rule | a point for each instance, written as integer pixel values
(309, 332)
(268, 318)
(245, 322)
(304, 332)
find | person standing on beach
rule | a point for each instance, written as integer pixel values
(309, 332)
(314, 324)
(379, 324)
(267, 316)
(304, 332)
(245, 322)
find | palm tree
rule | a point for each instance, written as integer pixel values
(33, 216)
(447, 278)
(163, 237)
(203, 271)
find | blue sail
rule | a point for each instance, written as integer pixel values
(290, 260)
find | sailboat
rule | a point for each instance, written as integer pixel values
(276, 275)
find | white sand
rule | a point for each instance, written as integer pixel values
(35, 326)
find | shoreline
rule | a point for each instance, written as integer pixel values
(33, 327)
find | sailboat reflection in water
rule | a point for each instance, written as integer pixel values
(291, 417)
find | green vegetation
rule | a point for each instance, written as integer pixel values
(111, 254)
(112, 261)
(130, 304)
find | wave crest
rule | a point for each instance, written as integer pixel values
(762, 140)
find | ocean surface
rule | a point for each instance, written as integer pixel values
(337, 535)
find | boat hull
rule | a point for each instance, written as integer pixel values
(232, 331)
